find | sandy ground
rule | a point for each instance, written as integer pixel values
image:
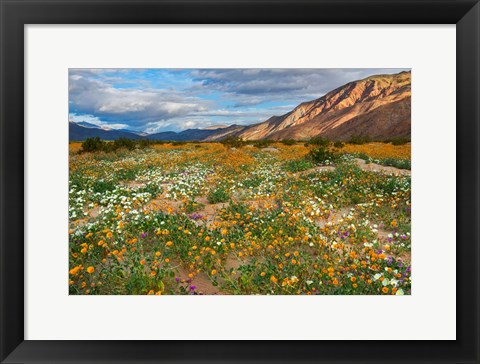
(373, 167)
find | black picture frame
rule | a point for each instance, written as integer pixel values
(15, 14)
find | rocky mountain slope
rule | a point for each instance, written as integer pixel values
(377, 107)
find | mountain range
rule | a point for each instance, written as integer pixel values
(377, 107)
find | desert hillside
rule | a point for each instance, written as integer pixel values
(377, 107)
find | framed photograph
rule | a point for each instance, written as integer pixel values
(240, 181)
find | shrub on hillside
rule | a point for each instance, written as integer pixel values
(124, 143)
(400, 141)
(358, 140)
(288, 141)
(262, 143)
(92, 145)
(232, 142)
(97, 145)
(318, 142)
(145, 143)
(298, 165)
(322, 155)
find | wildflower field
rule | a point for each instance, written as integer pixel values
(207, 218)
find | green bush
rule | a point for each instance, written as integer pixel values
(101, 186)
(400, 141)
(318, 141)
(97, 145)
(232, 142)
(357, 139)
(145, 143)
(92, 145)
(299, 165)
(338, 144)
(262, 143)
(124, 143)
(321, 155)
(128, 174)
(288, 141)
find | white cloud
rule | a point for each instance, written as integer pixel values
(131, 106)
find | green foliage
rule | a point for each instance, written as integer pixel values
(397, 163)
(321, 155)
(191, 206)
(232, 142)
(124, 143)
(262, 143)
(400, 141)
(145, 143)
(358, 140)
(338, 144)
(102, 186)
(253, 181)
(318, 141)
(152, 188)
(298, 165)
(217, 195)
(92, 145)
(127, 174)
(97, 145)
(288, 141)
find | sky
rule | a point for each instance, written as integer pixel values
(157, 100)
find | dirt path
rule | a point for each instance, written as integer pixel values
(200, 281)
(315, 170)
(334, 217)
(373, 167)
(209, 211)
